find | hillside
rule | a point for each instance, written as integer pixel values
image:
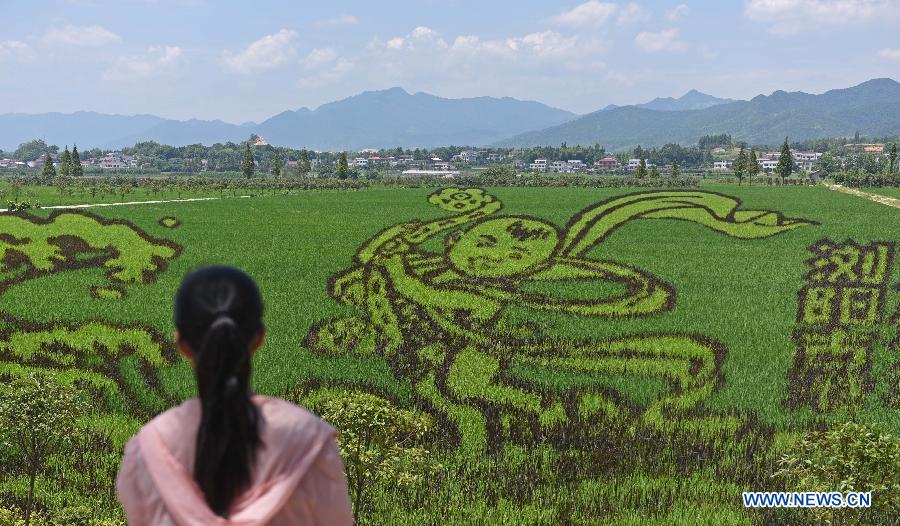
(872, 108)
(371, 119)
(692, 100)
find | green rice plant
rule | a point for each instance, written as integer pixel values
(116, 363)
(31, 247)
(413, 299)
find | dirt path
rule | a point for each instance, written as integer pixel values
(889, 201)
(125, 203)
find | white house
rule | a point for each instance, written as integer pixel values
(539, 165)
(361, 162)
(468, 156)
(575, 165)
(723, 165)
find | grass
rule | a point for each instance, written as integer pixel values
(886, 191)
(741, 293)
(51, 196)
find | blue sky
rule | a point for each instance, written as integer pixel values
(240, 61)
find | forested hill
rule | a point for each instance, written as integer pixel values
(871, 108)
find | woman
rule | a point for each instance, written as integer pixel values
(229, 457)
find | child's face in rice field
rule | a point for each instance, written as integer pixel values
(504, 247)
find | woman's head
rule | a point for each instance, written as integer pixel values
(218, 316)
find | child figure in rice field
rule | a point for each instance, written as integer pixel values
(434, 316)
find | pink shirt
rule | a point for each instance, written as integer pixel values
(297, 480)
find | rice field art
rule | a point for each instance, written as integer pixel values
(579, 356)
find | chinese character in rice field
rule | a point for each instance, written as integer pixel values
(435, 316)
(838, 312)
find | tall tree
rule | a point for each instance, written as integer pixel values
(48, 172)
(65, 163)
(752, 166)
(642, 169)
(276, 165)
(785, 162)
(893, 160)
(827, 165)
(343, 167)
(75, 167)
(740, 165)
(303, 164)
(248, 164)
(674, 169)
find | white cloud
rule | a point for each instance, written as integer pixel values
(632, 13)
(154, 62)
(335, 72)
(678, 12)
(15, 50)
(591, 13)
(343, 20)
(86, 36)
(890, 53)
(793, 16)
(546, 44)
(665, 40)
(267, 53)
(537, 45)
(320, 56)
(421, 36)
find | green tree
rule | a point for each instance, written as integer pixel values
(303, 164)
(378, 442)
(893, 160)
(641, 170)
(48, 172)
(65, 163)
(654, 172)
(674, 169)
(38, 416)
(75, 168)
(785, 162)
(827, 165)
(752, 166)
(343, 167)
(276, 165)
(31, 150)
(740, 165)
(248, 163)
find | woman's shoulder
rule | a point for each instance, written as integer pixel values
(284, 418)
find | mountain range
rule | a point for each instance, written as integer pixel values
(871, 108)
(372, 119)
(692, 100)
(394, 117)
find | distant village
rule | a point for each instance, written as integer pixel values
(723, 159)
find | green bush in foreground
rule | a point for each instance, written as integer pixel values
(378, 441)
(850, 457)
(38, 416)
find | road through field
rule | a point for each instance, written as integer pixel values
(889, 201)
(124, 203)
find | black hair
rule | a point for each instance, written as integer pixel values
(218, 312)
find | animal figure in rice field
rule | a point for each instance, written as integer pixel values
(115, 363)
(435, 317)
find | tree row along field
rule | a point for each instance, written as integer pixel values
(535, 355)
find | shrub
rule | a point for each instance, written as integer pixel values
(378, 441)
(850, 457)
